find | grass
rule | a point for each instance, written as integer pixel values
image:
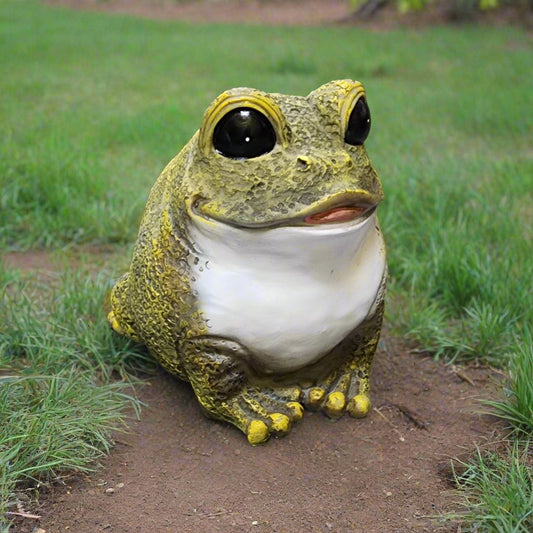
(65, 380)
(497, 490)
(93, 106)
(517, 407)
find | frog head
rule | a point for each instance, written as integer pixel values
(262, 160)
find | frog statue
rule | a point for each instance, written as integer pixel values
(259, 270)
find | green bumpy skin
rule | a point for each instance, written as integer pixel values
(310, 174)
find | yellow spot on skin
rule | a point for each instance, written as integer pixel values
(335, 404)
(114, 322)
(280, 423)
(359, 406)
(316, 395)
(257, 432)
(297, 411)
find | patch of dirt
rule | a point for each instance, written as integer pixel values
(305, 12)
(45, 263)
(36, 260)
(302, 12)
(178, 471)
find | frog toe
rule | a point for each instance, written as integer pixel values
(315, 398)
(263, 416)
(332, 404)
(257, 432)
(296, 411)
(335, 404)
(281, 424)
(359, 406)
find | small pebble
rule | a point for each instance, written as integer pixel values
(110, 490)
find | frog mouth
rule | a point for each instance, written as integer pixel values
(337, 215)
(347, 207)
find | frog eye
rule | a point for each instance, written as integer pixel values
(358, 124)
(244, 133)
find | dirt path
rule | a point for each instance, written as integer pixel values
(305, 12)
(299, 12)
(177, 471)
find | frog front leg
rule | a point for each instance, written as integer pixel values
(217, 370)
(346, 387)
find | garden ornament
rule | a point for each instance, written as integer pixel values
(259, 270)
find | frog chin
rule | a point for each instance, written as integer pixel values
(289, 293)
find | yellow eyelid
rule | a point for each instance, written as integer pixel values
(339, 96)
(234, 99)
(349, 102)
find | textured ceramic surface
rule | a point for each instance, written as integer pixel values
(259, 270)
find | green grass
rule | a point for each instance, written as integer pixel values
(497, 490)
(65, 379)
(93, 106)
(517, 407)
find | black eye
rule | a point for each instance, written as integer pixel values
(359, 124)
(244, 133)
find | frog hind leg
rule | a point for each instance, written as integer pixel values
(216, 368)
(346, 388)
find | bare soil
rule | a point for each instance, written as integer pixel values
(177, 471)
(302, 12)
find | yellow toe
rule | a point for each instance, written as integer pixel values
(280, 423)
(297, 411)
(359, 406)
(316, 396)
(257, 432)
(335, 404)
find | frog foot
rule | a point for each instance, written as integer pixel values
(216, 368)
(260, 414)
(345, 392)
(336, 403)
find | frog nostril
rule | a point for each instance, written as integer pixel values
(304, 162)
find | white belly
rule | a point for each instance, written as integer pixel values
(288, 294)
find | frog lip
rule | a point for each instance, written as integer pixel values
(347, 207)
(339, 214)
